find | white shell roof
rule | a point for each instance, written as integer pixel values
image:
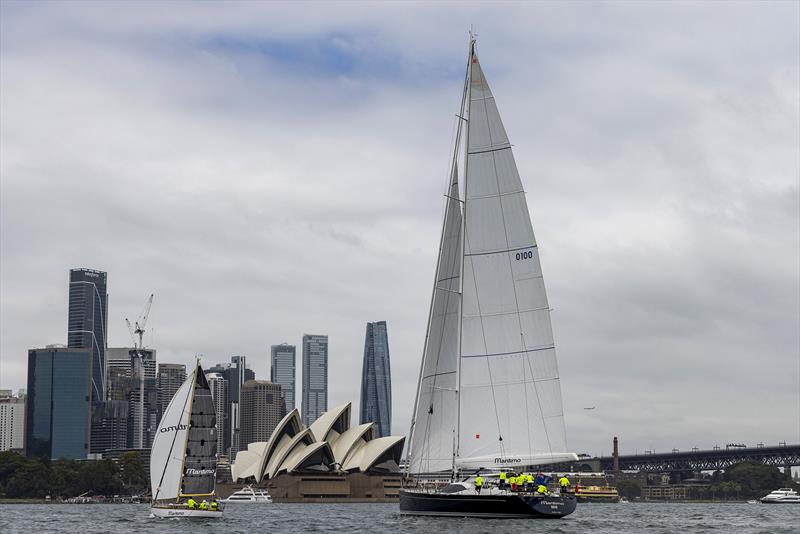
(291, 445)
(350, 440)
(364, 458)
(336, 418)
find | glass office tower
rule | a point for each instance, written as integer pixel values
(376, 380)
(315, 377)
(88, 322)
(282, 372)
(58, 406)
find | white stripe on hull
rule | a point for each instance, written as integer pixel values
(158, 511)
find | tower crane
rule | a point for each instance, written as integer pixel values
(140, 324)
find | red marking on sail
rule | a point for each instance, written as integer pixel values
(477, 436)
(474, 60)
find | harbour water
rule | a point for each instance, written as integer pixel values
(738, 518)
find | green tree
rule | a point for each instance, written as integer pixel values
(101, 477)
(754, 480)
(31, 480)
(132, 472)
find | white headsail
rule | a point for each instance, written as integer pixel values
(433, 435)
(166, 455)
(504, 381)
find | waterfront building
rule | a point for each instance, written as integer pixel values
(376, 380)
(57, 409)
(12, 421)
(219, 392)
(88, 322)
(315, 377)
(295, 449)
(169, 378)
(236, 374)
(282, 371)
(262, 407)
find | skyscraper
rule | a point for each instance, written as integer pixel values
(219, 392)
(57, 410)
(315, 377)
(282, 372)
(169, 380)
(262, 408)
(144, 409)
(88, 322)
(235, 373)
(376, 380)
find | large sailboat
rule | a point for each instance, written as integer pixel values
(183, 460)
(488, 396)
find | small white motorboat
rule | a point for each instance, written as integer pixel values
(249, 495)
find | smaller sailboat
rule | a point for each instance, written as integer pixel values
(183, 460)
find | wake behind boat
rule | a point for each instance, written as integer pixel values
(488, 395)
(183, 460)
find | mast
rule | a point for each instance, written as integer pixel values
(466, 108)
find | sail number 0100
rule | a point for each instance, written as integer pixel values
(524, 255)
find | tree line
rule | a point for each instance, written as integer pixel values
(742, 481)
(37, 478)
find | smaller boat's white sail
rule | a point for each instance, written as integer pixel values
(166, 456)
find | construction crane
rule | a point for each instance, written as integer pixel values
(140, 323)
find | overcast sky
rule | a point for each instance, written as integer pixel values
(272, 169)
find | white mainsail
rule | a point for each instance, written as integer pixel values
(504, 381)
(166, 455)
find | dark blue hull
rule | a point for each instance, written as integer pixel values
(507, 505)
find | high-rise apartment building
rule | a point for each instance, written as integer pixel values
(236, 374)
(262, 408)
(12, 422)
(219, 392)
(144, 410)
(88, 322)
(282, 372)
(376, 380)
(169, 378)
(315, 377)
(57, 409)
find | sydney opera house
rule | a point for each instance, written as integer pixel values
(327, 459)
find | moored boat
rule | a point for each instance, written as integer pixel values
(183, 459)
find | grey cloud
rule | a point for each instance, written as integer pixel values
(260, 198)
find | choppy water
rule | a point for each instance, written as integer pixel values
(351, 518)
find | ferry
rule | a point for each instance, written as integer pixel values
(249, 495)
(596, 494)
(782, 496)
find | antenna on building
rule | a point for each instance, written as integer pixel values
(140, 323)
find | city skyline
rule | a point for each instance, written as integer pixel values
(658, 151)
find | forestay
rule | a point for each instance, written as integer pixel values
(166, 455)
